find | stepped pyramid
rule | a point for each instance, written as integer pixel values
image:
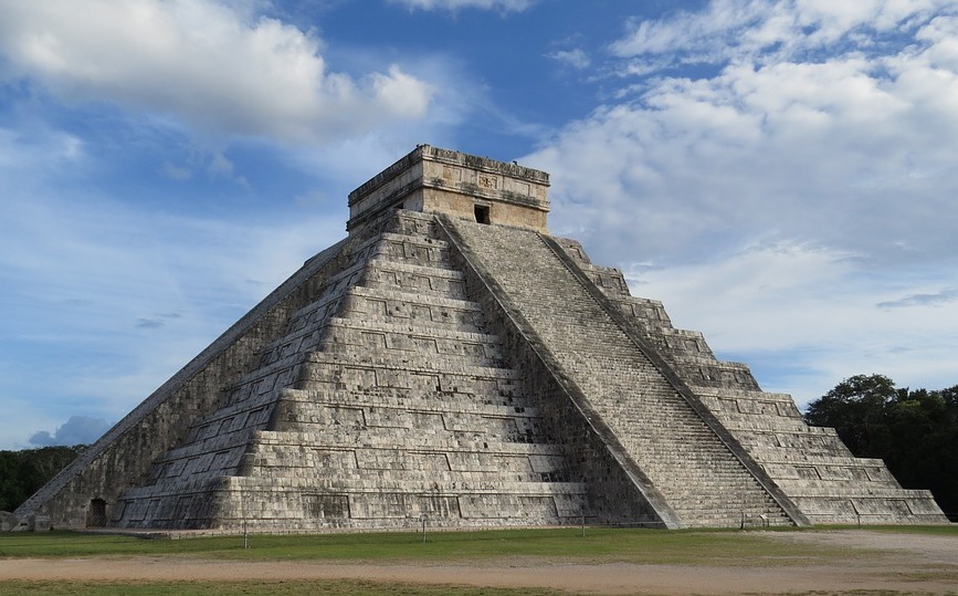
(451, 361)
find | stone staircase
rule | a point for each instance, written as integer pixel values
(386, 401)
(696, 473)
(810, 464)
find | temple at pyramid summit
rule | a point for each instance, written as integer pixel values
(451, 361)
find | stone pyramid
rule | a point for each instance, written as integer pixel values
(451, 361)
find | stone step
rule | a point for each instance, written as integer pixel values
(198, 460)
(359, 373)
(388, 479)
(412, 298)
(398, 327)
(230, 418)
(797, 458)
(412, 249)
(311, 400)
(772, 443)
(429, 314)
(414, 487)
(485, 434)
(459, 450)
(412, 223)
(383, 265)
(860, 509)
(647, 313)
(413, 309)
(258, 387)
(888, 487)
(319, 484)
(347, 437)
(412, 278)
(769, 423)
(463, 348)
(291, 416)
(742, 393)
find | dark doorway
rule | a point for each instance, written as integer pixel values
(96, 516)
(482, 214)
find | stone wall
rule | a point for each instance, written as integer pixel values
(434, 180)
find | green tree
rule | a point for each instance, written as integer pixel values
(856, 409)
(914, 431)
(22, 473)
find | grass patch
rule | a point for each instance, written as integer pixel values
(689, 547)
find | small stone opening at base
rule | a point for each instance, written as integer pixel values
(482, 214)
(96, 517)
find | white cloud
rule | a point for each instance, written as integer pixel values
(205, 62)
(824, 135)
(773, 31)
(453, 5)
(852, 151)
(576, 58)
(816, 306)
(78, 430)
(406, 94)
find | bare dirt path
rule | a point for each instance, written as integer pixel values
(877, 562)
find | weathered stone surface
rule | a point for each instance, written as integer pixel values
(450, 360)
(437, 180)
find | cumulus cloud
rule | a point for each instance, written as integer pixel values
(851, 150)
(212, 65)
(727, 30)
(78, 430)
(821, 125)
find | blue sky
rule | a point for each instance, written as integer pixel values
(781, 174)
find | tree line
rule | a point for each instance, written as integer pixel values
(22, 473)
(914, 431)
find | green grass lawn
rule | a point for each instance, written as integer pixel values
(598, 545)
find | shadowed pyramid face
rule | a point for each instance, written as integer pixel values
(451, 361)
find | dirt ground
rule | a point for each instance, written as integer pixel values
(901, 563)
